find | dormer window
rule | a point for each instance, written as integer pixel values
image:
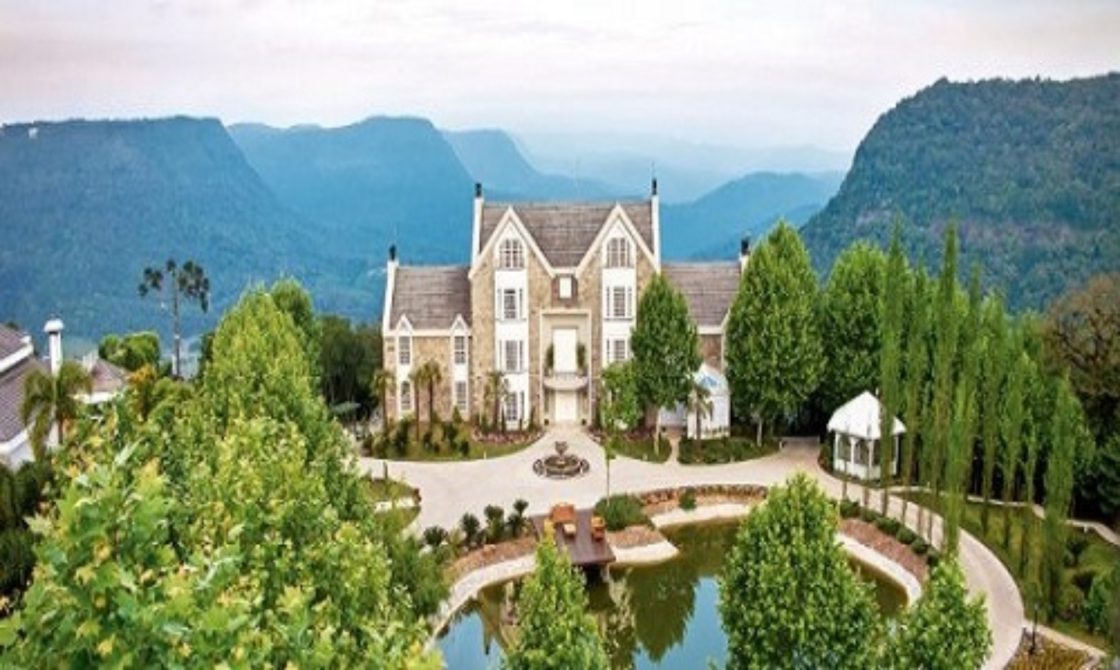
(511, 255)
(618, 253)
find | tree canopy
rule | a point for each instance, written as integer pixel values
(665, 344)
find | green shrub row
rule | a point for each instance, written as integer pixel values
(621, 511)
(850, 509)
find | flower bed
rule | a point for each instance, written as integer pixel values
(665, 500)
(1049, 655)
(490, 554)
(889, 546)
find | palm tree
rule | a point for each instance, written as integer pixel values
(419, 377)
(495, 391)
(380, 384)
(50, 401)
(699, 402)
(188, 282)
(433, 375)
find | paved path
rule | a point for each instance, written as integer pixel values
(449, 490)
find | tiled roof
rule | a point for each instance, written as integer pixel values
(431, 296)
(709, 288)
(106, 377)
(11, 397)
(564, 231)
(11, 341)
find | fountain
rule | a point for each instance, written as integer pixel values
(561, 465)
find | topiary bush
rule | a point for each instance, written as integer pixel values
(868, 515)
(906, 536)
(920, 547)
(888, 525)
(621, 511)
(688, 500)
(849, 509)
(434, 536)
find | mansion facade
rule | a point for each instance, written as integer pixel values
(548, 300)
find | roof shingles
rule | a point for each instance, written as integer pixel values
(564, 231)
(431, 296)
(708, 288)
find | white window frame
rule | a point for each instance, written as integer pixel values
(612, 293)
(404, 350)
(565, 289)
(459, 349)
(518, 351)
(511, 254)
(461, 395)
(405, 397)
(613, 355)
(518, 297)
(620, 253)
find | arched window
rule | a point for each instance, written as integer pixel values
(618, 253)
(406, 397)
(511, 255)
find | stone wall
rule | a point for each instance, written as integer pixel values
(482, 358)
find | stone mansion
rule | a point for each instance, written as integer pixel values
(549, 299)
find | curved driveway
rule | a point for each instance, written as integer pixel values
(451, 489)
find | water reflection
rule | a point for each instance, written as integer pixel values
(662, 616)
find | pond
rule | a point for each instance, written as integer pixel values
(660, 616)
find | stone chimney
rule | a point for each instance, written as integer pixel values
(476, 228)
(655, 221)
(744, 252)
(391, 266)
(53, 329)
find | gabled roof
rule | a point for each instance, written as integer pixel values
(431, 296)
(859, 417)
(708, 288)
(11, 341)
(11, 396)
(565, 231)
(106, 377)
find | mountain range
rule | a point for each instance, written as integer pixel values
(1030, 171)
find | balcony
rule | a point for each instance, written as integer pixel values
(564, 381)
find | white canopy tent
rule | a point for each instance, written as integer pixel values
(715, 423)
(857, 438)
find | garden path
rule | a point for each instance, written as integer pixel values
(448, 490)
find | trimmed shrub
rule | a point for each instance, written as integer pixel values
(868, 515)
(849, 509)
(688, 500)
(920, 547)
(888, 525)
(434, 536)
(620, 511)
(906, 536)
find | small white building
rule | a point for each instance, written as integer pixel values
(856, 441)
(714, 423)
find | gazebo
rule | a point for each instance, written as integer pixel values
(716, 422)
(856, 440)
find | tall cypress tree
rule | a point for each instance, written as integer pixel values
(945, 351)
(965, 412)
(890, 361)
(917, 367)
(1035, 395)
(1059, 491)
(993, 373)
(1011, 429)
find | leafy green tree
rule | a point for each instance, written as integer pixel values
(50, 401)
(1059, 492)
(666, 349)
(150, 395)
(380, 384)
(915, 385)
(619, 408)
(993, 375)
(894, 277)
(774, 353)
(555, 630)
(944, 359)
(962, 432)
(295, 301)
(187, 282)
(1032, 428)
(1108, 477)
(1012, 416)
(787, 595)
(851, 324)
(132, 351)
(348, 356)
(944, 630)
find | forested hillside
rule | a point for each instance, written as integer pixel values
(1029, 169)
(712, 226)
(85, 205)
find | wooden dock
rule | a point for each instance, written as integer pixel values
(581, 546)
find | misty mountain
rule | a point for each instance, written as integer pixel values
(711, 226)
(1028, 170)
(492, 157)
(85, 205)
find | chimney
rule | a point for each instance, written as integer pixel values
(476, 228)
(390, 285)
(744, 252)
(53, 329)
(392, 253)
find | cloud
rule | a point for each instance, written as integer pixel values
(747, 73)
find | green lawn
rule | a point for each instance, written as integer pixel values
(1098, 557)
(640, 447)
(440, 448)
(724, 450)
(388, 489)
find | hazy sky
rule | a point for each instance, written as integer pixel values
(734, 72)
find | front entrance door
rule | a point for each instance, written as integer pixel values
(565, 407)
(564, 350)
